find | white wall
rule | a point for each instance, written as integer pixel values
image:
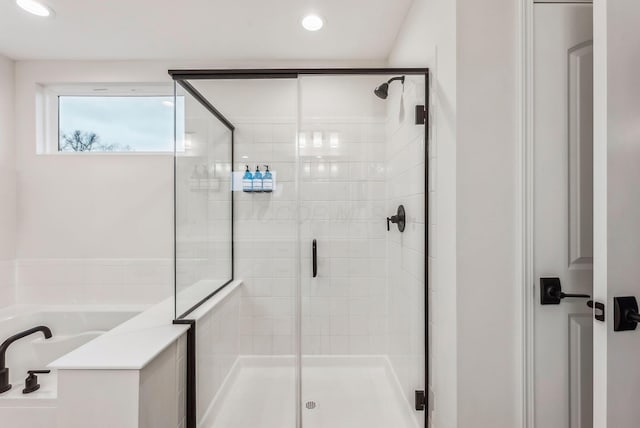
(428, 38)
(471, 47)
(92, 228)
(488, 286)
(7, 183)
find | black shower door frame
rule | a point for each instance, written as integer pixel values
(182, 76)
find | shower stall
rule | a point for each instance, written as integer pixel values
(319, 266)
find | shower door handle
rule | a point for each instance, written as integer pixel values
(314, 250)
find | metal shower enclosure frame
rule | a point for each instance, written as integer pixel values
(182, 76)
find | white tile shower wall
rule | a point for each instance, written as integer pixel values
(343, 194)
(405, 251)
(343, 207)
(94, 281)
(218, 339)
(341, 154)
(266, 238)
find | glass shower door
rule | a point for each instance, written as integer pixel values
(362, 337)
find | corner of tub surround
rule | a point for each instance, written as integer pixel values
(135, 343)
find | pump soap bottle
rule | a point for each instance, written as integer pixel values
(247, 181)
(267, 181)
(257, 180)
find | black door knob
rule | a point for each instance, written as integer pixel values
(551, 292)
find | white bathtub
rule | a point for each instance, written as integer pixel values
(72, 327)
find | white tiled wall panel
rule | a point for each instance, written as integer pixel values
(266, 238)
(218, 349)
(343, 197)
(342, 206)
(93, 281)
(354, 171)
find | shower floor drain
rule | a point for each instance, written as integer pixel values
(310, 405)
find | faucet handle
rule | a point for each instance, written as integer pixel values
(31, 382)
(398, 218)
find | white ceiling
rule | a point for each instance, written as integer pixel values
(202, 29)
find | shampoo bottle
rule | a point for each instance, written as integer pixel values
(267, 181)
(257, 180)
(247, 181)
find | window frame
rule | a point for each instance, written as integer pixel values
(48, 113)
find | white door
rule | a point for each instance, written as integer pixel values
(562, 150)
(616, 207)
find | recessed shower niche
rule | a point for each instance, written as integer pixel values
(329, 326)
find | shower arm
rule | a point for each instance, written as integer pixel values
(393, 79)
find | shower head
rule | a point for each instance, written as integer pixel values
(382, 91)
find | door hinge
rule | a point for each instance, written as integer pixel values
(421, 115)
(421, 401)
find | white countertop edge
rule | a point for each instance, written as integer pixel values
(127, 351)
(135, 343)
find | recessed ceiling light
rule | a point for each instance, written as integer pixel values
(312, 22)
(35, 7)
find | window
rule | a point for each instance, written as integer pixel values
(112, 119)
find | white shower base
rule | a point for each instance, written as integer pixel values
(348, 392)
